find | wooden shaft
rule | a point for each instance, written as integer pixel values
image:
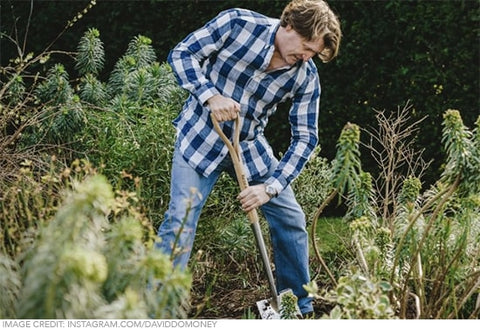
(235, 154)
(234, 150)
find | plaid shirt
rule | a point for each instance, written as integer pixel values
(229, 56)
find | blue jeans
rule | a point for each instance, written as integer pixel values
(188, 193)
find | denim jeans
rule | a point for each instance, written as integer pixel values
(189, 191)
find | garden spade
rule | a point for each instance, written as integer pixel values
(268, 308)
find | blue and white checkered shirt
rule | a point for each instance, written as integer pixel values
(229, 56)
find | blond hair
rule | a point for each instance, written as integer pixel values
(313, 19)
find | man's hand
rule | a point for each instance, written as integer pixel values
(253, 197)
(223, 108)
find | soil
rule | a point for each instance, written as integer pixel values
(232, 302)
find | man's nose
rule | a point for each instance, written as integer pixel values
(306, 57)
(308, 54)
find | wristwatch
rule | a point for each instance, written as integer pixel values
(271, 191)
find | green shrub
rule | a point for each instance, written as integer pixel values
(132, 134)
(81, 265)
(358, 297)
(428, 251)
(91, 55)
(312, 185)
(31, 198)
(122, 126)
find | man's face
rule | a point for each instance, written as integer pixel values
(294, 48)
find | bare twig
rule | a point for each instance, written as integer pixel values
(391, 146)
(27, 27)
(313, 234)
(418, 307)
(361, 257)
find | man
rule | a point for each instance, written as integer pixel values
(242, 63)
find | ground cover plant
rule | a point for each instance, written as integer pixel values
(89, 157)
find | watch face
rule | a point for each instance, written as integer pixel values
(270, 190)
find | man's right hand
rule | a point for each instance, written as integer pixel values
(223, 108)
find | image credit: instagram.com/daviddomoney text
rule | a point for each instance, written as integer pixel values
(14, 324)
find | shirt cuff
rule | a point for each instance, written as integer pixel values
(275, 184)
(205, 93)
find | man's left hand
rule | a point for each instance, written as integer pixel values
(253, 197)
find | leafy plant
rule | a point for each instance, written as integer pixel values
(91, 55)
(346, 169)
(427, 250)
(313, 183)
(83, 266)
(39, 115)
(132, 132)
(288, 306)
(26, 203)
(357, 297)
